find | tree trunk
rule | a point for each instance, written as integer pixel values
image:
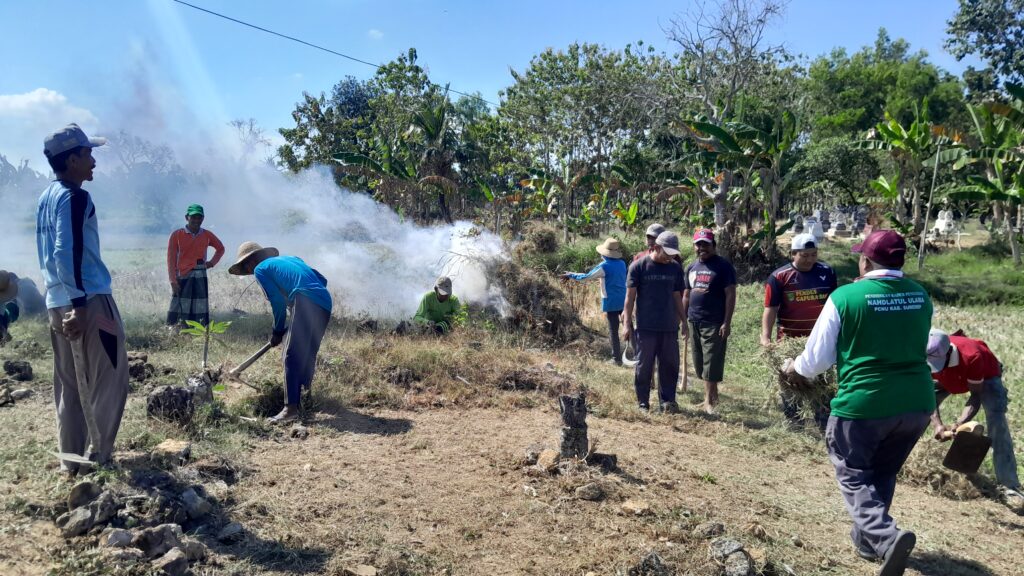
(1011, 236)
(720, 198)
(443, 205)
(574, 426)
(916, 207)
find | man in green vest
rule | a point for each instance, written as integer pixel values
(876, 333)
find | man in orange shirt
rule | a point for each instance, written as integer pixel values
(186, 268)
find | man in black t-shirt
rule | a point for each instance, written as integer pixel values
(654, 285)
(709, 299)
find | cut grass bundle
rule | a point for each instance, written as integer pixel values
(812, 395)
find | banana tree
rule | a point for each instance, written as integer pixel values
(997, 185)
(558, 190)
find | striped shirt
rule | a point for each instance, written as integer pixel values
(799, 296)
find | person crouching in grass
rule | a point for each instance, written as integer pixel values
(290, 285)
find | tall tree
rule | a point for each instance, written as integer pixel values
(993, 30)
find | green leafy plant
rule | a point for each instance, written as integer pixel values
(197, 330)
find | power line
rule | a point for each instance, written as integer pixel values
(321, 48)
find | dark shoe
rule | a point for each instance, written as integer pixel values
(867, 554)
(894, 563)
(670, 408)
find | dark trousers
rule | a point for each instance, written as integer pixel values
(301, 345)
(663, 348)
(867, 455)
(613, 334)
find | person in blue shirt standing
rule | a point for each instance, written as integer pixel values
(290, 284)
(612, 273)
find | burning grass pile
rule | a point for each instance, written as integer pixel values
(813, 395)
(537, 306)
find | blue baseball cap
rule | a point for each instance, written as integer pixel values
(69, 138)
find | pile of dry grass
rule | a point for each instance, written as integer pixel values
(813, 395)
(924, 469)
(537, 306)
(538, 239)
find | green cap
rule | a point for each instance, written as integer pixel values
(194, 209)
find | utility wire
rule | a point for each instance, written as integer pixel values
(321, 48)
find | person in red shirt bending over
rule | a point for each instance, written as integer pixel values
(960, 365)
(187, 249)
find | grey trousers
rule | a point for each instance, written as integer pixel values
(301, 345)
(105, 363)
(867, 455)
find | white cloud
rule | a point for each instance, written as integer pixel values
(297, 76)
(375, 34)
(26, 119)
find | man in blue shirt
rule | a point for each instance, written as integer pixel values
(290, 284)
(90, 363)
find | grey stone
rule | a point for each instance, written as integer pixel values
(299, 431)
(201, 386)
(709, 530)
(124, 556)
(21, 394)
(18, 370)
(155, 542)
(104, 507)
(195, 505)
(194, 550)
(232, 531)
(115, 538)
(77, 522)
(592, 492)
(650, 565)
(5, 396)
(722, 547)
(171, 404)
(171, 453)
(739, 564)
(82, 494)
(173, 563)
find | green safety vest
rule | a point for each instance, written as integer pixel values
(882, 347)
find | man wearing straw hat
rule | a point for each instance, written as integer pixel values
(654, 285)
(611, 271)
(439, 308)
(9, 310)
(290, 284)
(187, 249)
(90, 364)
(876, 333)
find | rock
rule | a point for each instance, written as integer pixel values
(592, 492)
(134, 356)
(5, 396)
(759, 556)
(115, 538)
(140, 370)
(173, 563)
(124, 556)
(650, 565)
(171, 404)
(21, 394)
(157, 541)
(195, 505)
(607, 462)
(201, 386)
(795, 539)
(76, 522)
(82, 494)
(739, 564)
(709, 530)
(232, 531)
(532, 454)
(104, 507)
(636, 507)
(171, 452)
(18, 370)
(299, 432)
(548, 459)
(723, 547)
(360, 570)
(194, 550)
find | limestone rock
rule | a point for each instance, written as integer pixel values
(171, 452)
(171, 404)
(5, 396)
(591, 491)
(18, 370)
(194, 550)
(76, 522)
(232, 531)
(21, 394)
(82, 494)
(124, 557)
(104, 507)
(360, 570)
(548, 459)
(721, 548)
(173, 563)
(299, 432)
(636, 507)
(115, 538)
(709, 530)
(195, 505)
(739, 564)
(650, 565)
(157, 541)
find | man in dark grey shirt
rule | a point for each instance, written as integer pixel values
(654, 285)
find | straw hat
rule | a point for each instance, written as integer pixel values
(610, 248)
(248, 250)
(8, 286)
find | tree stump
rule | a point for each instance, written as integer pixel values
(574, 425)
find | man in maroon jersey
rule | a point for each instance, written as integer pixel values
(794, 296)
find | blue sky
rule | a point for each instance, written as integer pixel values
(173, 73)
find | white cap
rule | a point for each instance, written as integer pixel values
(803, 242)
